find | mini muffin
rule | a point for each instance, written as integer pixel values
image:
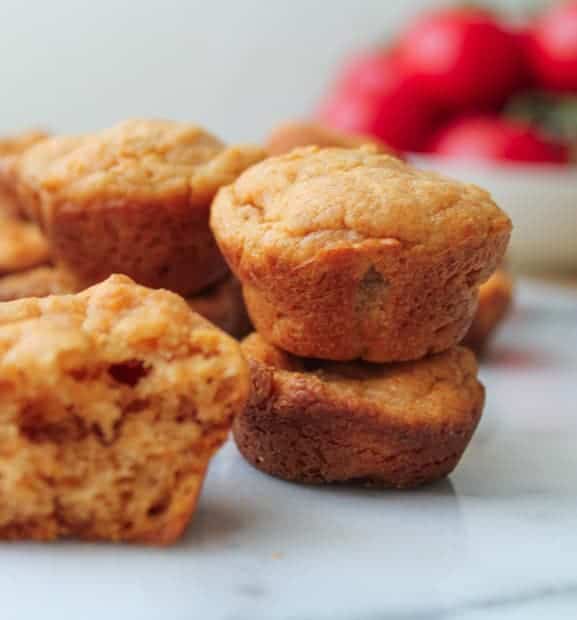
(133, 199)
(11, 147)
(223, 305)
(347, 254)
(495, 300)
(113, 401)
(36, 282)
(398, 425)
(22, 245)
(292, 134)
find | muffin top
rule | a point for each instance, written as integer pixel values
(137, 160)
(430, 389)
(313, 199)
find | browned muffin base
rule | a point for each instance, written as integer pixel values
(495, 300)
(400, 425)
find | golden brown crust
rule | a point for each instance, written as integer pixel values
(140, 192)
(293, 134)
(347, 254)
(397, 425)
(36, 282)
(113, 401)
(495, 300)
(223, 305)
(22, 245)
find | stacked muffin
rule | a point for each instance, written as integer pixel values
(360, 274)
(133, 199)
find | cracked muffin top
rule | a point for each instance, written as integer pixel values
(136, 160)
(312, 199)
(426, 389)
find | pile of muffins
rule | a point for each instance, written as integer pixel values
(133, 199)
(360, 275)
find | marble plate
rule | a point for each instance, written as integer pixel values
(496, 540)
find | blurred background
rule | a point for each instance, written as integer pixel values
(239, 68)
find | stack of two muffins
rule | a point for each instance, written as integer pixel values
(133, 199)
(360, 275)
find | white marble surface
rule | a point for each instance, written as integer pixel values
(497, 541)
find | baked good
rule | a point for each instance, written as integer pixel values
(36, 282)
(112, 403)
(11, 147)
(292, 134)
(347, 254)
(22, 245)
(398, 425)
(495, 300)
(140, 192)
(223, 305)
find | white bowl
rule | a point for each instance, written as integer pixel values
(541, 201)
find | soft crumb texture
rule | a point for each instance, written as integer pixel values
(141, 193)
(36, 282)
(495, 300)
(347, 254)
(398, 425)
(223, 305)
(10, 148)
(112, 403)
(292, 134)
(22, 245)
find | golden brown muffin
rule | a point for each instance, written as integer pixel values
(223, 305)
(292, 134)
(396, 425)
(22, 245)
(36, 282)
(133, 199)
(347, 254)
(113, 401)
(11, 147)
(495, 300)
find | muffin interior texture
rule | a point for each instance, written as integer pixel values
(112, 403)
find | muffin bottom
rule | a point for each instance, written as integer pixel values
(398, 425)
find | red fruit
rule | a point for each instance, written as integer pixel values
(552, 48)
(463, 57)
(374, 98)
(492, 138)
